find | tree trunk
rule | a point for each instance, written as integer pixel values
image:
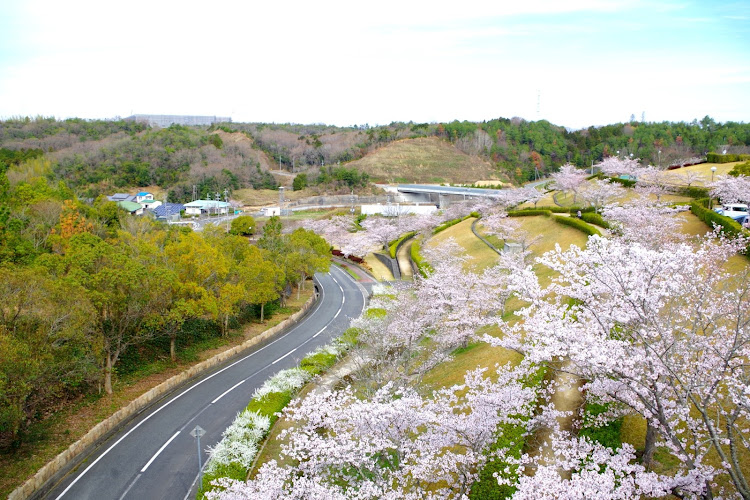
(263, 305)
(108, 375)
(299, 287)
(648, 449)
(172, 346)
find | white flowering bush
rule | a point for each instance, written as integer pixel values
(240, 441)
(284, 381)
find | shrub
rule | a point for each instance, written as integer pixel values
(529, 213)
(231, 470)
(417, 258)
(624, 182)
(607, 435)
(511, 438)
(393, 246)
(721, 158)
(578, 224)
(319, 363)
(693, 191)
(446, 225)
(244, 225)
(594, 218)
(729, 226)
(740, 169)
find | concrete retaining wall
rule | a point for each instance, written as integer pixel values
(122, 415)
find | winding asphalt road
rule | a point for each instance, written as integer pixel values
(154, 456)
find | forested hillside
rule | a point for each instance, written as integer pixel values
(514, 146)
(84, 287)
(96, 157)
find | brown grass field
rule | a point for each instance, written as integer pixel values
(424, 160)
(704, 169)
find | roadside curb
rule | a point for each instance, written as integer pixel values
(123, 415)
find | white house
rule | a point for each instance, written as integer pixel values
(150, 204)
(271, 211)
(210, 207)
(143, 196)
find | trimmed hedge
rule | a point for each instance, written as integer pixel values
(417, 258)
(578, 224)
(693, 192)
(529, 213)
(560, 210)
(446, 225)
(594, 218)
(729, 226)
(720, 158)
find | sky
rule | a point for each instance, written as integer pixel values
(575, 63)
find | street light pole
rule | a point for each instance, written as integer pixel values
(710, 199)
(197, 433)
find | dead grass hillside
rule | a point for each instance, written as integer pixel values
(424, 160)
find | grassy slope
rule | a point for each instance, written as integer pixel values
(481, 257)
(424, 160)
(704, 169)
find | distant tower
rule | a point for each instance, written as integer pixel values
(195, 192)
(538, 103)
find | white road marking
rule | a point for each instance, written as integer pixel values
(284, 356)
(229, 390)
(322, 293)
(158, 452)
(131, 485)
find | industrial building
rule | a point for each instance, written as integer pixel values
(167, 120)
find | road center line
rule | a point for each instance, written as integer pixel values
(158, 452)
(130, 486)
(78, 477)
(228, 391)
(284, 356)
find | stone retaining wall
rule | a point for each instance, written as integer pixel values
(121, 416)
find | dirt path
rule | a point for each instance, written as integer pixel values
(404, 260)
(568, 398)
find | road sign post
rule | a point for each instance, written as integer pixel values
(197, 433)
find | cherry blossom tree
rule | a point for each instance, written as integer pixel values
(569, 179)
(654, 182)
(396, 444)
(601, 192)
(591, 471)
(731, 189)
(390, 347)
(691, 177)
(336, 230)
(615, 166)
(663, 332)
(652, 225)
